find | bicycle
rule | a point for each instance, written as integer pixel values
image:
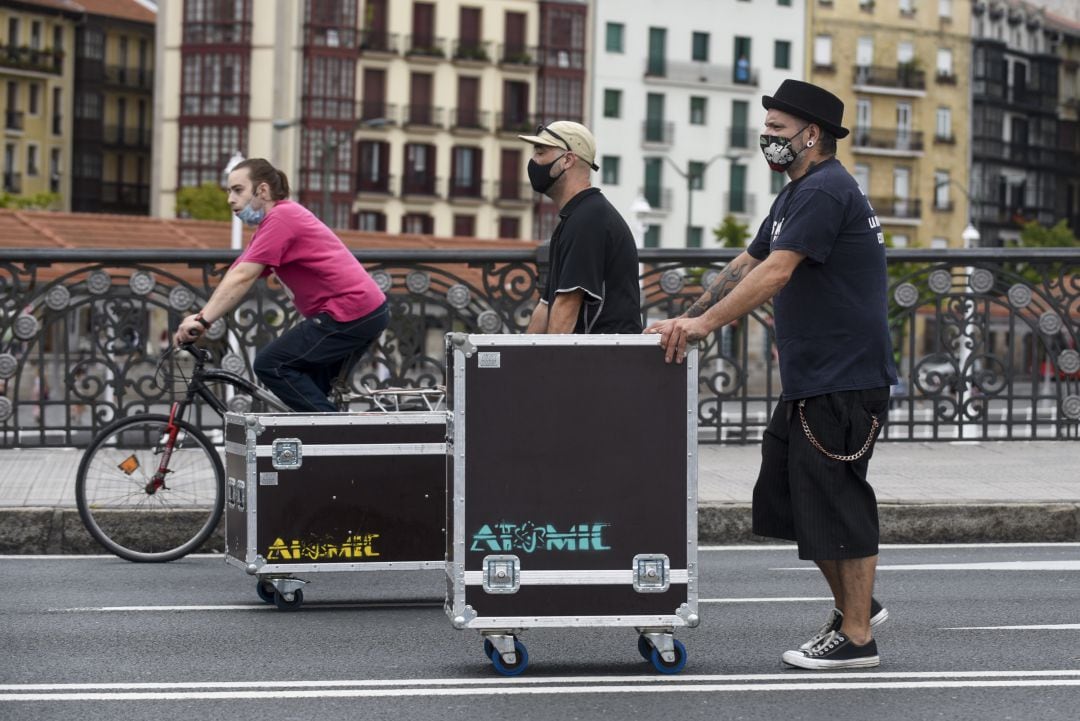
(165, 465)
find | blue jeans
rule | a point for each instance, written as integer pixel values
(300, 366)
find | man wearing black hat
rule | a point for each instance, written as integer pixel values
(820, 256)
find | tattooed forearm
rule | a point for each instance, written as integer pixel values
(729, 277)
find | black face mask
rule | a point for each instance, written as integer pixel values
(540, 175)
(777, 150)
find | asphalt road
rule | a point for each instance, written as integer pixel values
(989, 632)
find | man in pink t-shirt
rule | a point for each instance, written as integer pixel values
(344, 310)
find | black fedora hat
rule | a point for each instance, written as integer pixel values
(809, 102)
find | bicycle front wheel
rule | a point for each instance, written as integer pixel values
(132, 516)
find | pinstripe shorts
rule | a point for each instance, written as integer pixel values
(826, 506)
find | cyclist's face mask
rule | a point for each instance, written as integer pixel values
(777, 150)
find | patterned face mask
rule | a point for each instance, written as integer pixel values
(777, 150)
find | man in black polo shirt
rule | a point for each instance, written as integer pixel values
(592, 286)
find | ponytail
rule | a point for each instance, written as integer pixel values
(261, 171)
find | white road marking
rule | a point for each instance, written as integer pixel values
(795, 681)
(898, 546)
(1037, 627)
(793, 599)
(433, 603)
(980, 566)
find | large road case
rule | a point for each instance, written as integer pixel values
(316, 492)
(572, 490)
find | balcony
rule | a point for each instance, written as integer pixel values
(423, 116)
(892, 209)
(376, 113)
(743, 138)
(520, 56)
(118, 136)
(740, 203)
(887, 141)
(659, 199)
(425, 46)
(511, 191)
(375, 42)
(467, 189)
(24, 58)
(517, 123)
(12, 182)
(57, 124)
(470, 120)
(129, 78)
(657, 133)
(1031, 99)
(1022, 154)
(374, 184)
(896, 80)
(471, 51)
(419, 185)
(125, 197)
(13, 119)
(701, 74)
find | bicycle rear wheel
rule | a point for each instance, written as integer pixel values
(131, 518)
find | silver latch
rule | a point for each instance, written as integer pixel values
(501, 574)
(287, 453)
(230, 493)
(651, 573)
(240, 495)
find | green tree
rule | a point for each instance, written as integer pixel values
(731, 233)
(1033, 235)
(204, 202)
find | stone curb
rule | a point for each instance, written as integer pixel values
(60, 530)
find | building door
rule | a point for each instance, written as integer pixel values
(509, 174)
(468, 112)
(514, 36)
(737, 184)
(516, 106)
(903, 126)
(657, 52)
(654, 117)
(653, 173)
(863, 121)
(420, 99)
(740, 126)
(374, 103)
(423, 27)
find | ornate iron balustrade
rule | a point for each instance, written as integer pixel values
(986, 340)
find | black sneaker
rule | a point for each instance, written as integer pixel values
(878, 615)
(834, 651)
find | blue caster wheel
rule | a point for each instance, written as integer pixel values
(644, 648)
(677, 665)
(489, 648)
(266, 591)
(506, 669)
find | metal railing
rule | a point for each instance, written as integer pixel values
(476, 51)
(424, 116)
(892, 207)
(520, 55)
(519, 123)
(891, 139)
(13, 119)
(425, 46)
(12, 182)
(123, 76)
(378, 41)
(119, 135)
(470, 119)
(657, 132)
(25, 58)
(986, 340)
(901, 77)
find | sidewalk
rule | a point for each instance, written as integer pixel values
(944, 492)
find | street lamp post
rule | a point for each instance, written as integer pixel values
(237, 226)
(689, 177)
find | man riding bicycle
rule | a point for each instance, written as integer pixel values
(344, 310)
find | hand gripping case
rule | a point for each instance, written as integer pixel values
(572, 496)
(321, 492)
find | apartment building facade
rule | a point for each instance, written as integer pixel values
(902, 70)
(388, 116)
(676, 108)
(113, 105)
(36, 77)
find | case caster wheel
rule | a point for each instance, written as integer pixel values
(515, 669)
(266, 591)
(675, 666)
(285, 604)
(489, 648)
(644, 648)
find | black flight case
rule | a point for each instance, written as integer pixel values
(572, 490)
(317, 492)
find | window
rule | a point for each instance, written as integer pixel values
(58, 37)
(693, 236)
(943, 127)
(740, 124)
(782, 54)
(699, 49)
(612, 103)
(614, 37)
(214, 84)
(13, 31)
(738, 200)
(742, 60)
(698, 110)
(509, 227)
(944, 63)
(862, 177)
(88, 105)
(54, 170)
(944, 8)
(657, 52)
(786, 3)
(777, 181)
(697, 175)
(205, 149)
(465, 226)
(899, 240)
(417, 224)
(371, 221)
(92, 45)
(941, 190)
(654, 170)
(936, 243)
(905, 53)
(864, 51)
(35, 35)
(32, 160)
(34, 104)
(652, 236)
(466, 169)
(609, 169)
(823, 51)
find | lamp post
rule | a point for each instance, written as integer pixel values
(690, 177)
(237, 227)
